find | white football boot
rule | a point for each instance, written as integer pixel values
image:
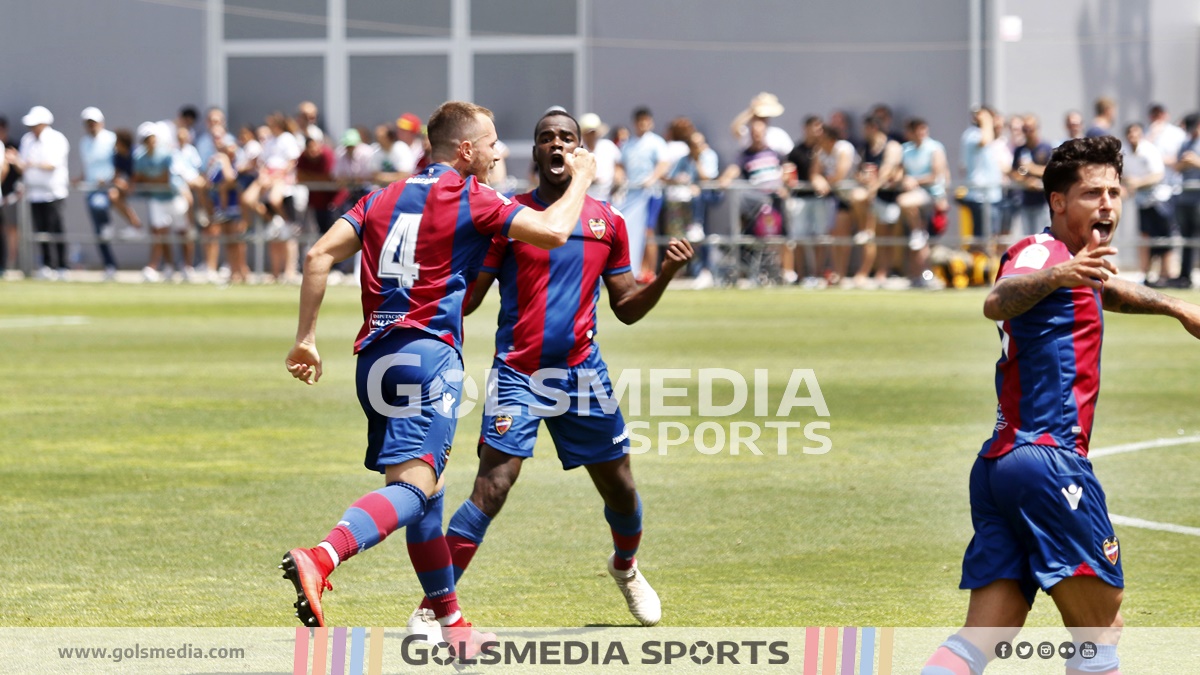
(642, 600)
(425, 626)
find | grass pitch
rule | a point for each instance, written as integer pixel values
(158, 459)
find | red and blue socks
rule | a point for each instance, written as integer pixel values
(956, 656)
(626, 534)
(431, 559)
(369, 521)
(463, 537)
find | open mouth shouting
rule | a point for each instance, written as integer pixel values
(1105, 230)
(557, 164)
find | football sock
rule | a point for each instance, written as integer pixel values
(431, 559)
(626, 534)
(1105, 661)
(956, 656)
(463, 537)
(369, 520)
(465, 534)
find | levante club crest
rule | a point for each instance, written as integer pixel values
(1112, 549)
(503, 423)
(597, 225)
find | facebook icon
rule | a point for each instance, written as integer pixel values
(1003, 650)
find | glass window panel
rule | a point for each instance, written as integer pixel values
(260, 85)
(519, 87)
(524, 17)
(384, 87)
(397, 18)
(275, 19)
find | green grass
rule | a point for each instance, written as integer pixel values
(158, 460)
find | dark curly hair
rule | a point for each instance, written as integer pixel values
(1063, 170)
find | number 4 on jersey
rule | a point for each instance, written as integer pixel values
(398, 258)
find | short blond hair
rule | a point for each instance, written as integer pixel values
(452, 123)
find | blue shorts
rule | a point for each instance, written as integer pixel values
(583, 431)
(1040, 517)
(404, 425)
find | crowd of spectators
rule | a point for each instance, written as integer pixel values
(821, 201)
(202, 183)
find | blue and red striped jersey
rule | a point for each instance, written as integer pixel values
(423, 241)
(548, 298)
(1048, 375)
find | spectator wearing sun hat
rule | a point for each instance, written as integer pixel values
(410, 130)
(354, 168)
(44, 152)
(607, 154)
(764, 106)
(96, 148)
(153, 164)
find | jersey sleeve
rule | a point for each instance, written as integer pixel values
(358, 215)
(491, 211)
(618, 253)
(495, 255)
(1032, 255)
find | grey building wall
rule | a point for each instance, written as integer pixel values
(707, 61)
(134, 60)
(1074, 51)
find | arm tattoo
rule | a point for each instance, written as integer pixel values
(1129, 298)
(1017, 295)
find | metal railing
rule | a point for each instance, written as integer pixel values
(730, 234)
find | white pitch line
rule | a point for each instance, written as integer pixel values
(1151, 525)
(42, 321)
(1143, 445)
(1146, 445)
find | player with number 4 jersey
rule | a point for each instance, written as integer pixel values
(546, 351)
(422, 241)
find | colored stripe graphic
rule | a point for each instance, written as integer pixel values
(357, 636)
(375, 665)
(886, 636)
(300, 657)
(320, 650)
(849, 646)
(338, 662)
(829, 662)
(812, 650)
(866, 657)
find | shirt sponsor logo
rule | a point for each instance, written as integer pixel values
(1034, 257)
(422, 180)
(385, 319)
(597, 226)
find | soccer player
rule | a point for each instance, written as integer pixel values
(421, 241)
(1038, 511)
(548, 321)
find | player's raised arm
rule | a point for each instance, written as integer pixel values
(339, 243)
(1130, 298)
(1016, 295)
(552, 227)
(630, 303)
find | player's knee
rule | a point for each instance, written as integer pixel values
(491, 491)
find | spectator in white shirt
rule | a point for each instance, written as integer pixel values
(765, 106)
(394, 161)
(44, 152)
(96, 148)
(1142, 178)
(608, 157)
